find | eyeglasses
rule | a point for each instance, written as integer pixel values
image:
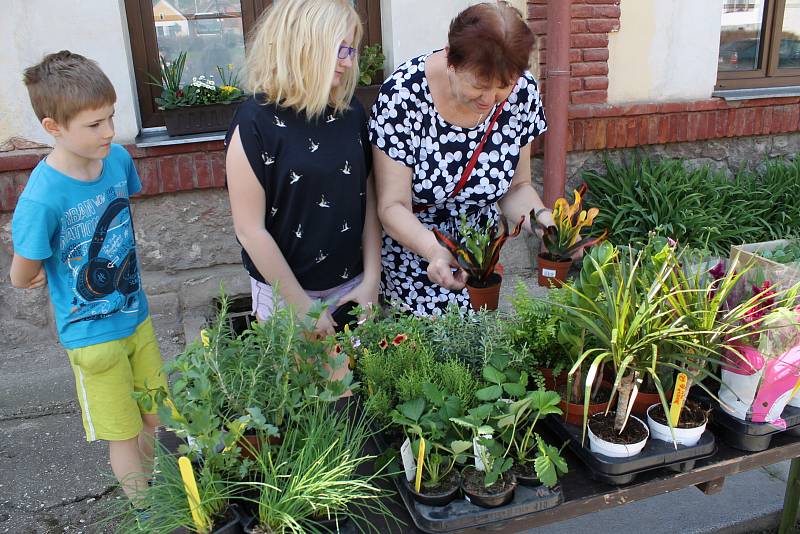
(347, 51)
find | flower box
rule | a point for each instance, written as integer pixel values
(199, 119)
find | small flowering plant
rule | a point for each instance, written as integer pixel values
(202, 91)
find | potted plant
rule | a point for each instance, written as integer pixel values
(574, 340)
(311, 477)
(168, 504)
(563, 239)
(477, 252)
(489, 482)
(762, 363)
(370, 64)
(534, 460)
(204, 105)
(631, 331)
(231, 391)
(427, 424)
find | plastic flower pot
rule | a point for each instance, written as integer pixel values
(683, 436)
(525, 475)
(618, 450)
(643, 401)
(484, 498)
(572, 412)
(552, 273)
(486, 297)
(451, 485)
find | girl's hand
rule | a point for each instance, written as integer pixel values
(364, 294)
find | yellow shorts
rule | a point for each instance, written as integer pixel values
(105, 376)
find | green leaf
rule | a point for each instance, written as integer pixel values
(434, 395)
(493, 375)
(489, 393)
(514, 389)
(412, 409)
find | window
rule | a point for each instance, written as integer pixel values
(759, 44)
(212, 32)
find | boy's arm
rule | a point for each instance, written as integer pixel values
(27, 274)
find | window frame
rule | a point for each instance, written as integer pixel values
(767, 74)
(144, 45)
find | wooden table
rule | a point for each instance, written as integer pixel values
(583, 495)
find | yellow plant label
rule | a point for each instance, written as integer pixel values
(420, 461)
(187, 474)
(204, 337)
(678, 399)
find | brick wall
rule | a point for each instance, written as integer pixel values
(592, 20)
(164, 169)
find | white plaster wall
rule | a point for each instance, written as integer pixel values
(665, 50)
(413, 27)
(29, 29)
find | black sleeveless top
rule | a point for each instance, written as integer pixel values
(314, 175)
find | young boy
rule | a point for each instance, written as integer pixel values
(72, 228)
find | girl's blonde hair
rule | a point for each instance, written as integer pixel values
(292, 54)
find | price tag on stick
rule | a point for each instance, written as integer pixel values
(420, 462)
(678, 399)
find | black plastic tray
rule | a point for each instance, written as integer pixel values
(461, 514)
(619, 471)
(753, 437)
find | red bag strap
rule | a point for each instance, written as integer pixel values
(472, 161)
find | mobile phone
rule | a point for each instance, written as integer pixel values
(342, 315)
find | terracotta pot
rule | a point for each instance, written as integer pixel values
(573, 413)
(645, 400)
(250, 444)
(552, 272)
(486, 297)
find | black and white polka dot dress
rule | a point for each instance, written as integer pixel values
(407, 127)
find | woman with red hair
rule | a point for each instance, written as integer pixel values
(451, 132)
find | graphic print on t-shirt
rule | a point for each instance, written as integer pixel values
(100, 253)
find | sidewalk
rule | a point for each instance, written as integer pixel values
(52, 481)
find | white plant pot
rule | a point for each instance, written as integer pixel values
(795, 401)
(617, 450)
(683, 436)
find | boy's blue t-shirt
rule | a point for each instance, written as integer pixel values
(83, 233)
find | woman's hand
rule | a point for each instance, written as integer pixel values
(440, 269)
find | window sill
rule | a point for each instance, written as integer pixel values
(155, 137)
(761, 92)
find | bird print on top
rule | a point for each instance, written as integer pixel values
(345, 227)
(346, 169)
(267, 159)
(313, 147)
(273, 211)
(346, 274)
(279, 123)
(330, 118)
(323, 203)
(294, 177)
(321, 257)
(299, 232)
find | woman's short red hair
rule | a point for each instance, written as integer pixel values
(492, 41)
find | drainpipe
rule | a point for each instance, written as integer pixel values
(556, 100)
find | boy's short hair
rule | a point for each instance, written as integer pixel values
(63, 84)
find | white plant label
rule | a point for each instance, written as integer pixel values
(480, 451)
(409, 462)
(548, 273)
